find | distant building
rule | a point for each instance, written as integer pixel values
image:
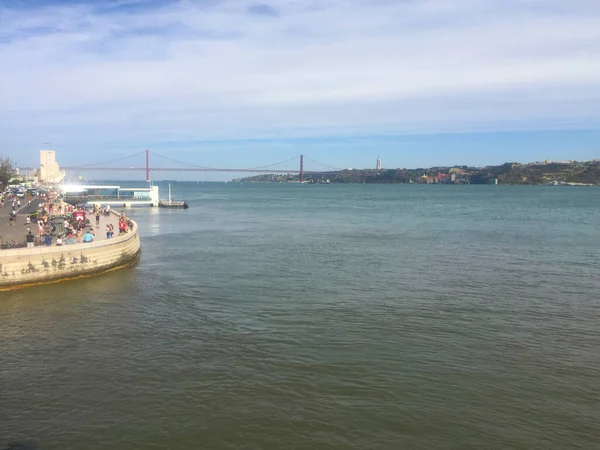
(110, 195)
(49, 170)
(442, 177)
(378, 163)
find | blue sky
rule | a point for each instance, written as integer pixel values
(242, 83)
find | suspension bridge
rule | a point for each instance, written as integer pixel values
(109, 166)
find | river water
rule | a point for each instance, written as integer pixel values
(322, 317)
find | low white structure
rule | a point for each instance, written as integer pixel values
(110, 195)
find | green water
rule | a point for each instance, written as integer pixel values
(322, 317)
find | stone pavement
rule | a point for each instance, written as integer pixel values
(17, 231)
(100, 231)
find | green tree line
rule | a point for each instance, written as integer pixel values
(508, 173)
(7, 171)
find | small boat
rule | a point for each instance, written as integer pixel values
(172, 203)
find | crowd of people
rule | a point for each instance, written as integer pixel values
(53, 218)
(125, 224)
(76, 228)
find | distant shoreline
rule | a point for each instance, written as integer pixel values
(572, 173)
(421, 184)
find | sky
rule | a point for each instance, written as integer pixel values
(244, 83)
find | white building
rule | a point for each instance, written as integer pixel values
(110, 195)
(378, 163)
(49, 170)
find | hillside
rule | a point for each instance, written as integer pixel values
(509, 173)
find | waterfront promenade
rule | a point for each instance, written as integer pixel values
(21, 267)
(18, 231)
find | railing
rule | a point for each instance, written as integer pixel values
(108, 197)
(6, 245)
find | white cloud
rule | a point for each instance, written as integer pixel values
(194, 70)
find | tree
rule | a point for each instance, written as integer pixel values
(7, 171)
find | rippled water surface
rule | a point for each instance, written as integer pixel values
(322, 317)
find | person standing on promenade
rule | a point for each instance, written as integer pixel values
(97, 214)
(107, 229)
(47, 237)
(30, 238)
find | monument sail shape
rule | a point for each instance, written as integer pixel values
(49, 169)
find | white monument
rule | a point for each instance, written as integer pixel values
(49, 170)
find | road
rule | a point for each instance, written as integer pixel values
(17, 231)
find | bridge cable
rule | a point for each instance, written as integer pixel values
(110, 161)
(179, 162)
(322, 164)
(271, 165)
(212, 168)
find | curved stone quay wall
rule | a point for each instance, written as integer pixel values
(28, 266)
